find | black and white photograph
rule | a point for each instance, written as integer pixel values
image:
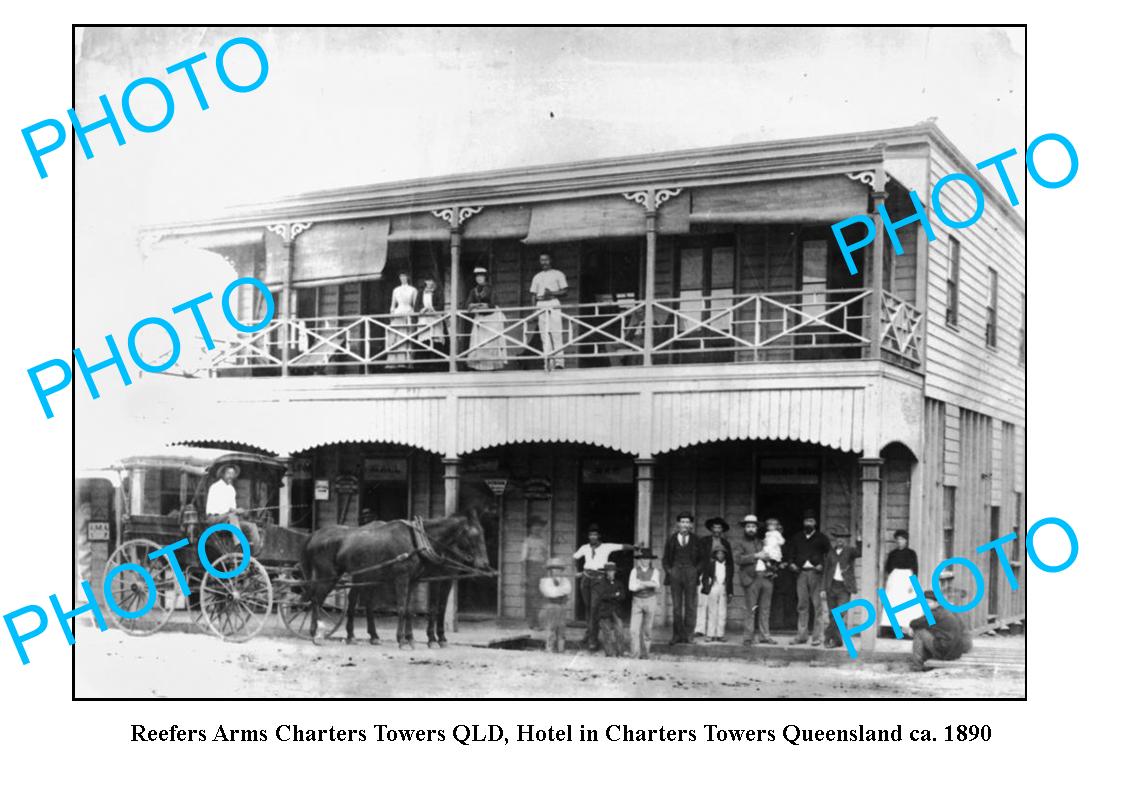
(634, 363)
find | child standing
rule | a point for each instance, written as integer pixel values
(555, 588)
(717, 588)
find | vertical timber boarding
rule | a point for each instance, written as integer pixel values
(975, 407)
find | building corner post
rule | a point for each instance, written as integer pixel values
(870, 544)
(876, 272)
(645, 477)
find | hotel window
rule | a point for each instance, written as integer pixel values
(953, 285)
(705, 285)
(1022, 336)
(814, 277)
(949, 521)
(992, 311)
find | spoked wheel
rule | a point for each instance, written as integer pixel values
(296, 611)
(236, 608)
(131, 591)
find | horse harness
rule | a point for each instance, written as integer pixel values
(423, 549)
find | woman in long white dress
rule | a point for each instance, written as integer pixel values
(487, 348)
(900, 564)
(402, 302)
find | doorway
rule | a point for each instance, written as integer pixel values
(607, 496)
(786, 487)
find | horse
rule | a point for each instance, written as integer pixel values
(381, 551)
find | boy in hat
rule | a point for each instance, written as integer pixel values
(717, 541)
(717, 588)
(644, 583)
(946, 640)
(609, 597)
(555, 589)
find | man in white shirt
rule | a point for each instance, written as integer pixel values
(222, 506)
(644, 583)
(547, 286)
(594, 555)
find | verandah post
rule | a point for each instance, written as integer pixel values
(871, 543)
(876, 269)
(649, 287)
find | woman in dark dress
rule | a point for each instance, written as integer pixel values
(487, 348)
(900, 564)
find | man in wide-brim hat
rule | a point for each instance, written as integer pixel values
(555, 589)
(756, 574)
(644, 583)
(717, 528)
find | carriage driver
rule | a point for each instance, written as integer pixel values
(222, 506)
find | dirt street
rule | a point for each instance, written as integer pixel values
(176, 664)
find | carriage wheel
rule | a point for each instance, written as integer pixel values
(130, 591)
(237, 608)
(296, 611)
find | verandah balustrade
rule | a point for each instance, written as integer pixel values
(713, 328)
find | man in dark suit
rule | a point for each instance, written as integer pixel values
(805, 558)
(683, 558)
(838, 579)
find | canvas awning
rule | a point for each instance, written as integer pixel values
(339, 251)
(810, 199)
(418, 226)
(610, 216)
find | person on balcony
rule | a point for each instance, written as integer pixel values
(402, 303)
(487, 347)
(547, 287)
(431, 326)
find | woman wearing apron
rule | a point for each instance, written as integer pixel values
(900, 564)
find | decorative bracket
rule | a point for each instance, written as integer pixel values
(864, 177)
(288, 232)
(652, 199)
(456, 216)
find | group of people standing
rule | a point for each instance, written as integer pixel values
(418, 329)
(700, 571)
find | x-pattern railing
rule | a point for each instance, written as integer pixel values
(581, 325)
(831, 321)
(901, 327)
(751, 310)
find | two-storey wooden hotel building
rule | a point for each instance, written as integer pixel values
(719, 357)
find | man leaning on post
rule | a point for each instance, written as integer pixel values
(593, 557)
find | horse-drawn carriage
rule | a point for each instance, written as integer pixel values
(164, 501)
